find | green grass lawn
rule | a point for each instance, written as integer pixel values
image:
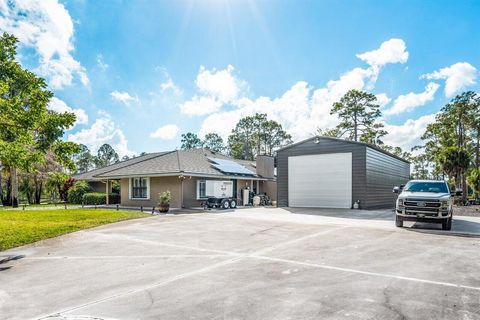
(18, 227)
(43, 205)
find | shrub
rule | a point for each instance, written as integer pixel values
(76, 192)
(164, 198)
(98, 198)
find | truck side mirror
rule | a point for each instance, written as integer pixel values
(396, 189)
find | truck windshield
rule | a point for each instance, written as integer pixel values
(435, 187)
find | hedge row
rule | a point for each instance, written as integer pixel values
(98, 198)
(76, 192)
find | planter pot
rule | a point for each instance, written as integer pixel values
(163, 208)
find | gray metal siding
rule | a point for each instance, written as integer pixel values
(383, 172)
(325, 146)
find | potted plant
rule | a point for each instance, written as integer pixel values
(164, 199)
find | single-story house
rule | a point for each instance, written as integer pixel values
(335, 173)
(190, 175)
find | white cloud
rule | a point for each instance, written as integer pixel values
(215, 88)
(408, 134)
(60, 106)
(457, 77)
(391, 51)
(301, 109)
(410, 101)
(169, 85)
(101, 64)
(102, 131)
(123, 97)
(200, 105)
(167, 132)
(46, 26)
(221, 84)
(383, 99)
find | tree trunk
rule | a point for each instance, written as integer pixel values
(464, 187)
(355, 127)
(38, 192)
(1, 188)
(13, 173)
(477, 160)
(7, 200)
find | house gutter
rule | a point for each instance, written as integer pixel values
(186, 174)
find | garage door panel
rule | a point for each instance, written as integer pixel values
(323, 180)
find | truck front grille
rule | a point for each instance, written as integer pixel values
(426, 207)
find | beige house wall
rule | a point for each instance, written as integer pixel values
(157, 185)
(270, 188)
(186, 190)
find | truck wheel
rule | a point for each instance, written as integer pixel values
(447, 224)
(398, 221)
(225, 204)
(233, 204)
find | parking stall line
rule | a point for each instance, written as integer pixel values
(369, 273)
(234, 257)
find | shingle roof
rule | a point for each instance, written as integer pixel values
(90, 175)
(194, 161)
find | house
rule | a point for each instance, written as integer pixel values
(187, 174)
(335, 173)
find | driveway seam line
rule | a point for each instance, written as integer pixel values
(370, 273)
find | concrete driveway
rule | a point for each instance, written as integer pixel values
(248, 264)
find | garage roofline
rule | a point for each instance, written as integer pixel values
(345, 141)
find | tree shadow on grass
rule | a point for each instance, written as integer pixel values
(5, 259)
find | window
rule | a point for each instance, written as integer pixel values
(201, 189)
(139, 188)
(427, 186)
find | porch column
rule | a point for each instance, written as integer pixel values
(107, 192)
(258, 186)
(251, 185)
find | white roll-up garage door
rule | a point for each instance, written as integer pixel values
(320, 180)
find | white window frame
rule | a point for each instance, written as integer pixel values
(130, 184)
(198, 189)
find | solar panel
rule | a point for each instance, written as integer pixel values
(229, 166)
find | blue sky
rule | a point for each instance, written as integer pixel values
(140, 73)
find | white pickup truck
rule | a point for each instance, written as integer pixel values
(424, 201)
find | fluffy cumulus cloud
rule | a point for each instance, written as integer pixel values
(408, 134)
(457, 77)
(167, 132)
(215, 88)
(391, 51)
(102, 131)
(123, 97)
(383, 99)
(45, 26)
(411, 100)
(60, 106)
(302, 108)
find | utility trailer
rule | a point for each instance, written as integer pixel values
(221, 203)
(219, 194)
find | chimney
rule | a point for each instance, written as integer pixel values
(265, 166)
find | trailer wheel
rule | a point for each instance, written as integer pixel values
(225, 204)
(233, 204)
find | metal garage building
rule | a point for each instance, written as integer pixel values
(334, 173)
